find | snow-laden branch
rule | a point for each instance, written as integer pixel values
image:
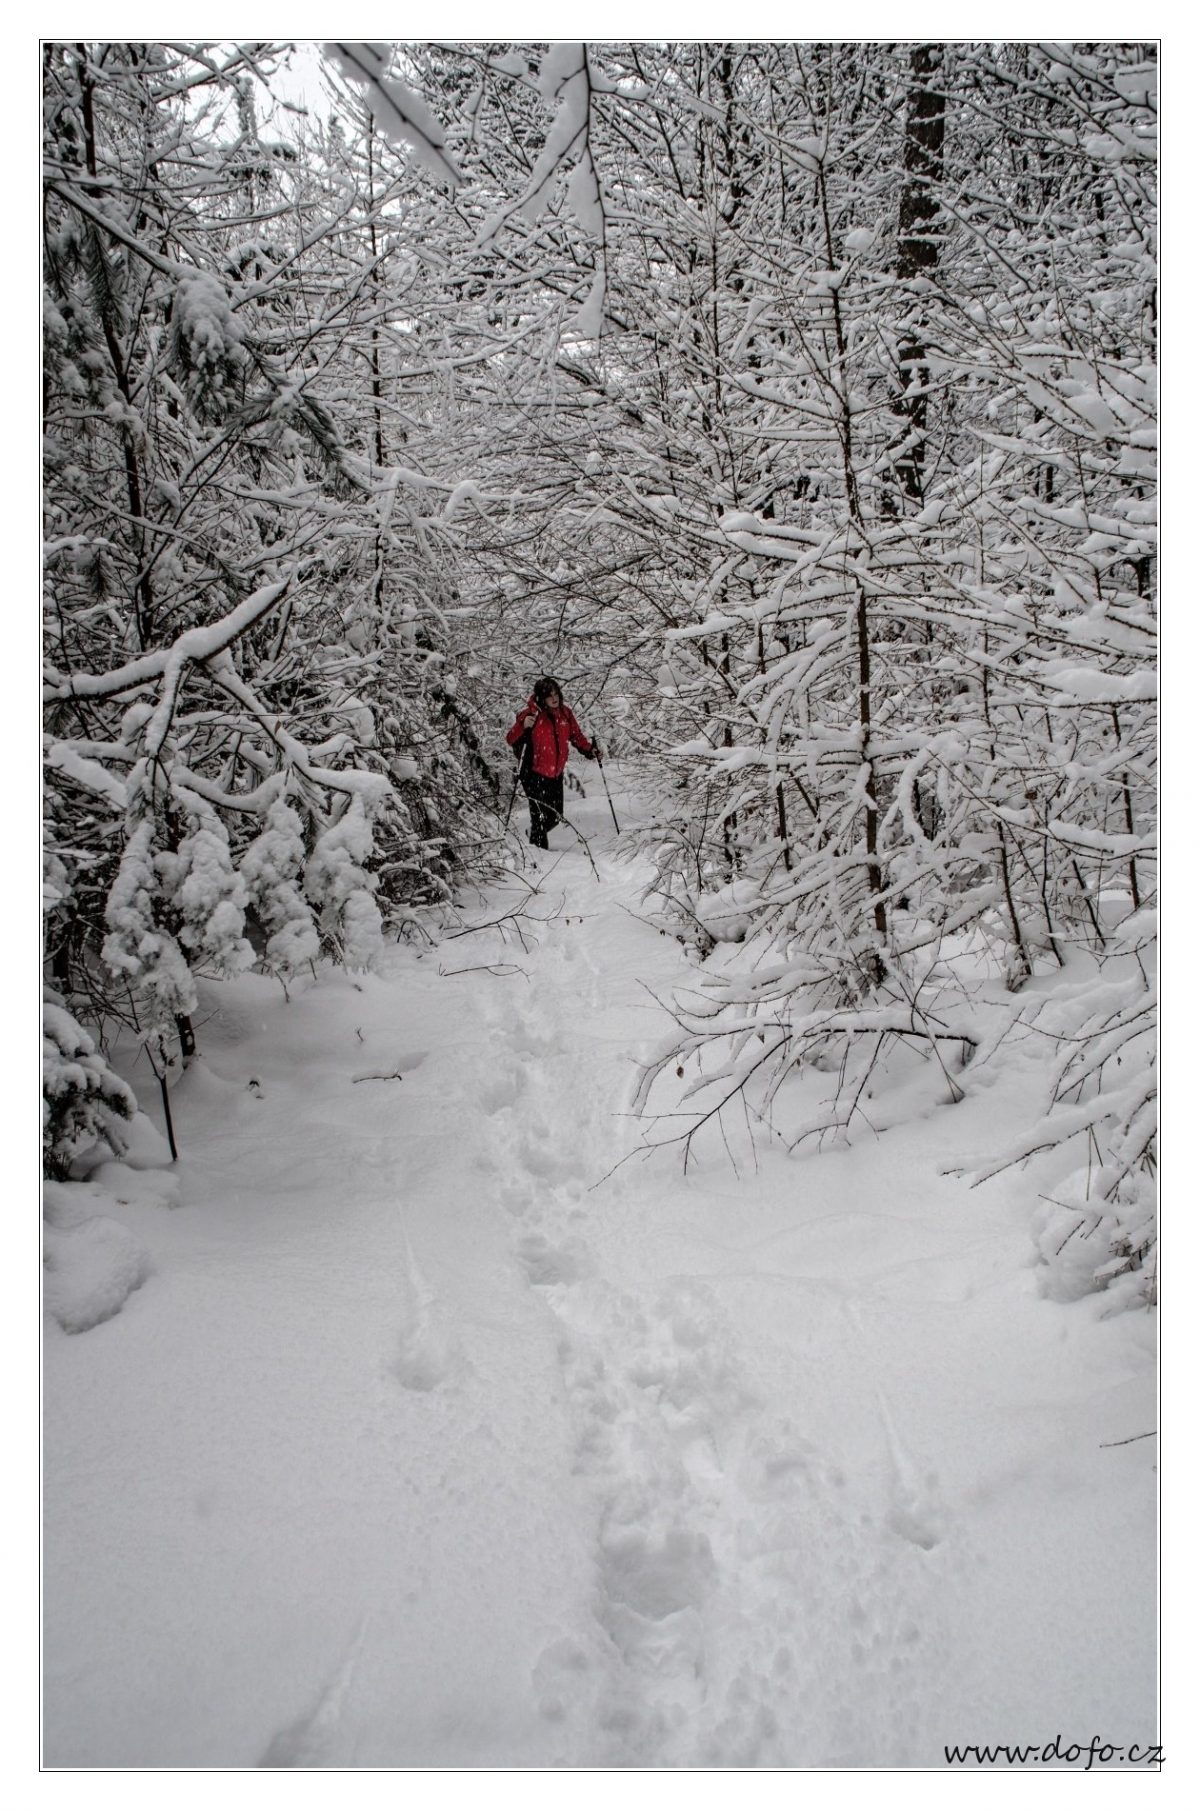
(357, 782)
(66, 759)
(403, 115)
(1062, 1124)
(198, 646)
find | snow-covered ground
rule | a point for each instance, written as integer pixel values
(423, 1437)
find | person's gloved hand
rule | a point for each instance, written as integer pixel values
(594, 753)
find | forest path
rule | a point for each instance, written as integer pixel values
(434, 1439)
(754, 1602)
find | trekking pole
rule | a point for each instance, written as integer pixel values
(608, 795)
(517, 779)
(512, 797)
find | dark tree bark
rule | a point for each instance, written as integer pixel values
(917, 253)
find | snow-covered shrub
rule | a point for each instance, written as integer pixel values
(138, 946)
(83, 1102)
(340, 888)
(208, 895)
(1098, 1233)
(1096, 1229)
(177, 902)
(271, 868)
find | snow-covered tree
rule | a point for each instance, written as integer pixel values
(216, 504)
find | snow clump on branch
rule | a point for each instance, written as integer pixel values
(208, 894)
(138, 947)
(206, 341)
(271, 868)
(341, 889)
(83, 1102)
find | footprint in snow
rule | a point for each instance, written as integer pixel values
(656, 1574)
(914, 1513)
(538, 1156)
(424, 1357)
(518, 1197)
(423, 1360)
(505, 1091)
(915, 1518)
(308, 1741)
(546, 1265)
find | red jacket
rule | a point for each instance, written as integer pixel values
(550, 735)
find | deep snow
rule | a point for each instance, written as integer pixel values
(416, 1434)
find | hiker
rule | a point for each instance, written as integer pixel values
(542, 734)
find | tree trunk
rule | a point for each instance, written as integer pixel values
(917, 257)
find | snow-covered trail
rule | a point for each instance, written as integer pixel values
(433, 1440)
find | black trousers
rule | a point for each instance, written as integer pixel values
(545, 806)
